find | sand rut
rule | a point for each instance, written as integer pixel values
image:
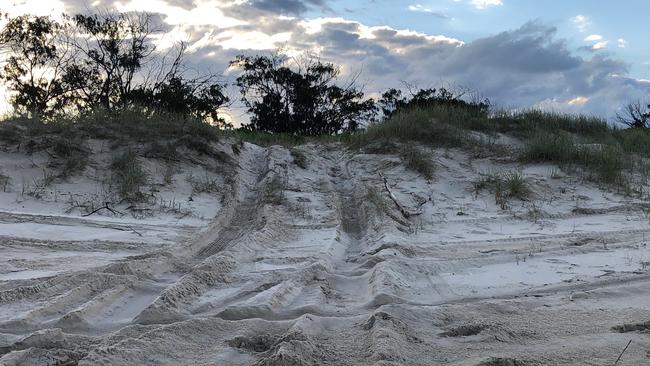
(299, 267)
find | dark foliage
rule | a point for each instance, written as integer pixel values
(302, 100)
(393, 101)
(195, 98)
(635, 115)
(35, 61)
(100, 62)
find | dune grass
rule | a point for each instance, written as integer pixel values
(417, 160)
(299, 157)
(601, 152)
(417, 124)
(126, 126)
(129, 177)
(504, 185)
(604, 153)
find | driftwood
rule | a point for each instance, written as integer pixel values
(105, 207)
(404, 210)
(135, 231)
(621, 355)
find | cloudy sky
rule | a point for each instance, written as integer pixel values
(581, 55)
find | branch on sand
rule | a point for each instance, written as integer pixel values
(406, 212)
(105, 207)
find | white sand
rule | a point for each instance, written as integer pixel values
(327, 277)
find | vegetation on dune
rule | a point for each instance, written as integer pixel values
(604, 153)
(417, 160)
(96, 77)
(504, 185)
(129, 177)
(123, 127)
(299, 158)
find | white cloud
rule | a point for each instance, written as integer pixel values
(600, 45)
(35, 7)
(204, 13)
(483, 4)
(419, 8)
(249, 40)
(580, 100)
(594, 38)
(581, 22)
(520, 68)
(621, 43)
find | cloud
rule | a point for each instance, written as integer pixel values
(621, 43)
(54, 7)
(203, 13)
(523, 67)
(288, 6)
(581, 22)
(594, 38)
(419, 8)
(579, 100)
(484, 4)
(600, 45)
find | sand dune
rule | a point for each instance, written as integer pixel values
(317, 266)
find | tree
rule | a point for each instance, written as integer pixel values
(635, 115)
(101, 61)
(391, 101)
(301, 98)
(200, 98)
(112, 49)
(35, 63)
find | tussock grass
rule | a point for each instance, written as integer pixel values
(603, 163)
(129, 177)
(274, 190)
(267, 139)
(530, 122)
(205, 184)
(415, 124)
(515, 185)
(138, 125)
(505, 186)
(509, 184)
(69, 156)
(5, 182)
(299, 158)
(124, 127)
(417, 160)
(603, 153)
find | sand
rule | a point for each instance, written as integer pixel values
(295, 266)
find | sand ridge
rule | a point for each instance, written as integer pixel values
(309, 267)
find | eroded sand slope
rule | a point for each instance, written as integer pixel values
(309, 267)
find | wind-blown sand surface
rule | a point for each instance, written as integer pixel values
(305, 267)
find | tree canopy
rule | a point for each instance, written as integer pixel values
(300, 99)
